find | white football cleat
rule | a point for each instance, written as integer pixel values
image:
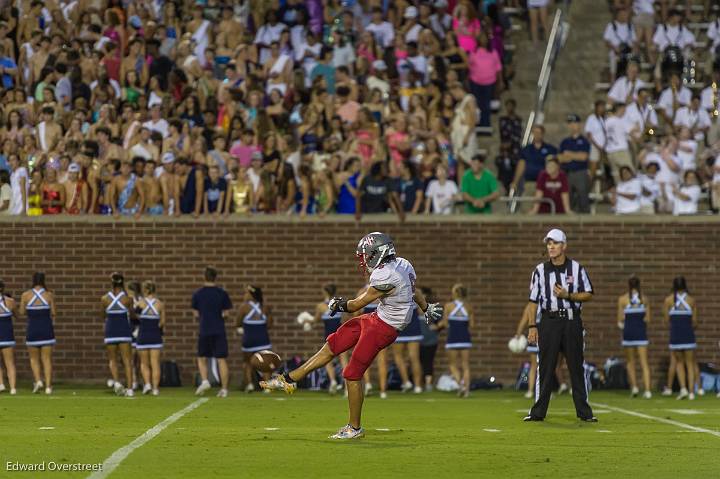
(129, 393)
(204, 386)
(48, 390)
(222, 393)
(250, 388)
(278, 383)
(683, 394)
(407, 386)
(701, 392)
(348, 432)
(647, 395)
(38, 386)
(146, 389)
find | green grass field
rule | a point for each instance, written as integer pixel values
(430, 435)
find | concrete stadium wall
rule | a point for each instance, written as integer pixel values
(291, 259)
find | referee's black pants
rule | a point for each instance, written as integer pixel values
(557, 335)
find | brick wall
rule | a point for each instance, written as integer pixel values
(292, 259)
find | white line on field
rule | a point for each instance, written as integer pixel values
(659, 419)
(46, 428)
(272, 428)
(491, 430)
(112, 462)
(383, 429)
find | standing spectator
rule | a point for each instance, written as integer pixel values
(627, 193)
(462, 127)
(5, 193)
(485, 69)
(532, 162)
(53, 193)
(574, 155)
(479, 187)
(20, 185)
(8, 69)
(596, 132)
(410, 188)
(619, 130)
(552, 184)
(466, 26)
(538, 12)
(211, 306)
(382, 30)
(441, 193)
(376, 194)
(511, 129)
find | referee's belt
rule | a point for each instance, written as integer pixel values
(561, 314)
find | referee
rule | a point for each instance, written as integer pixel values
(559, 287)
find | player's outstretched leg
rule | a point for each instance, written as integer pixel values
(286, 382)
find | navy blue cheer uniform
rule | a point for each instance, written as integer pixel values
(7, 338)
(255, 333)
(39, 327)
(117, 320)
(634, 330)
(682, 335)
(331, 323)
(150, 334)
(458, 330)
(412, 332)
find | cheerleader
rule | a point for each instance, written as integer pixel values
(7, 339)
(681, 315)
(149, 341)
(633, 315)
(532, 350)
(409, 340)
(256, 321)
(118, 309)
(331, 324)
(39, 305)
(458, 319)
(134, 291)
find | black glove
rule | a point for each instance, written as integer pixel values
(338, 304)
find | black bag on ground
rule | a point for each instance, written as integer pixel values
(169, 375)
(394, 381)
(485, 383)
(615, 374)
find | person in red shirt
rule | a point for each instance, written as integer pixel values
(552, 183)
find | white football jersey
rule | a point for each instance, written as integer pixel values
(396, 309)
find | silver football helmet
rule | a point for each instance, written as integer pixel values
(372, 249)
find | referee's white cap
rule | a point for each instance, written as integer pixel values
(556, 235)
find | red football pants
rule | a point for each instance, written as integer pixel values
(369, 334)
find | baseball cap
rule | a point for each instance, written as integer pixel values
(167, 157)
(573, 118)
(379, 65)
(74, 168)
(411, 12)
(556, 235)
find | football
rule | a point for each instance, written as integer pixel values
(265, 361)
(517, 344)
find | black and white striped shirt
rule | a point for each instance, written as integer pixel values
(571, 275)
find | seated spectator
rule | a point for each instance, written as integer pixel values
(552, 184)
(687, 195)
(621, 41)
(642, 116)
(694, 118)
(215, 191)
(479, 187)
(441, 193)
(627, 193)
(665, 157)
(673, 98)
(76, 191)
(625, 88)
(532, 162)
(650, 188)
(573, 157)
(674, 37)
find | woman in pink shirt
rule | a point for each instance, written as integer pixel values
(484, 67)
(466, 26)
(398, 142)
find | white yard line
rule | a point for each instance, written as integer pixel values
(112, 462)
(658, 419)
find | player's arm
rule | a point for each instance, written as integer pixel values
(370, 295)
(420, 300)
(433, 311)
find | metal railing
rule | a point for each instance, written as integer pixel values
(529, 199)
(556, 40)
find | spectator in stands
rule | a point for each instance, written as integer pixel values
(532, 162)
(675, 96)
(641, 115)
(377, 195)
(441, 193)
(596, 132)
(462, 127)
(644, 23)
(619, 132)
(627, 193)
(687, 149)
(573, 157)
(650, 188)
(665, 157)
(687, 195)
(552, 184)
(479, 187)
(410, 188)
(694, 118)
(485, 70)
(673, 40)
(625, 88)
(621, 42)
(538, 12)
(5, 193)
(511, 128)
(710, 102)
(466, 26)
(20, 184)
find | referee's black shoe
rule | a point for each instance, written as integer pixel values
(529, 418)
(589, 419)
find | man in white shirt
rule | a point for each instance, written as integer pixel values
(441, 20)
(672, 98)
(695, 118)
(627, 194)
(269, 32)
(156, 123)
(641, 115)
(665, 157)
(713, 34)
(687, 195)
(618, 134)
(625, 88)
(673, 34)
(620, 39)
(710, 102)
(411, 28)
(596, 132)
(650, 188)
(383, 31)
(307, 53)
